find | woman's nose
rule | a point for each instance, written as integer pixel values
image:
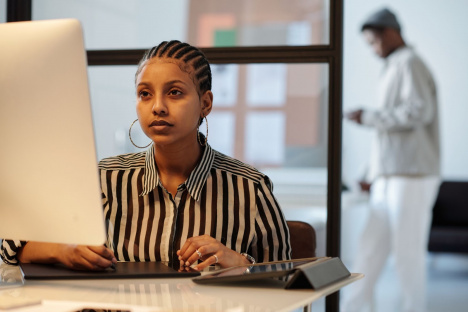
(159, 106)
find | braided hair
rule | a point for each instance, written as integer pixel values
(190, 59)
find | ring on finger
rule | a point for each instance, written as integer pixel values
(216, 258)
(198, 253)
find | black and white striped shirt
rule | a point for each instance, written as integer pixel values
(222, 197)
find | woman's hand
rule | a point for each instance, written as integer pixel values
(209, 251)
(77, 257)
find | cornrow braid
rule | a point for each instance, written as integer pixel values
(194, 61)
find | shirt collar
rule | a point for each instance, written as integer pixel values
(194, 182)
(395, 55)
(150, 178)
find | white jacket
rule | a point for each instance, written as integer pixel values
(406, 120)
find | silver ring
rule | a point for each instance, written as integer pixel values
(198, 253)
(216, 258)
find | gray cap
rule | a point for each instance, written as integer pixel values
(383, 18)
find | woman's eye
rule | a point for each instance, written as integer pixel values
(143, 94)
(175, 92)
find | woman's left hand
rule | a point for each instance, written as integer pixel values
(209, 251)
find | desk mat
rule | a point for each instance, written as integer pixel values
(33, 271)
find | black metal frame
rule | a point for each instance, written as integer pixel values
(19, 10)
(332, 54)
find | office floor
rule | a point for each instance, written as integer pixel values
(447, 287)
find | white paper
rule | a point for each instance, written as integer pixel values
(265, 138)
(266, 85)
(221, 135)
(71, 306)
(299, 33)
(224, 87)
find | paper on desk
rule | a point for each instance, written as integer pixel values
(71, 306)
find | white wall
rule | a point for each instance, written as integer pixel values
(3, 13)
(436, 29)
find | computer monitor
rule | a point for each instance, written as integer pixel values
(49, 183)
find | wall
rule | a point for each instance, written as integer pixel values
(436, 30)
(3, 13)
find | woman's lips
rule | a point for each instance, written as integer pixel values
(159, 123)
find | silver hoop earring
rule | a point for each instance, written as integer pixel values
(130, 136)
(198, 133)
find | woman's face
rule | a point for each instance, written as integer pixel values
(168, 104)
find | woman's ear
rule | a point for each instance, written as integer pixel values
(206, 103)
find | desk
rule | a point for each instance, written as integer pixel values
(170, 294)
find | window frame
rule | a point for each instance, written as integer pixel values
(332, 54)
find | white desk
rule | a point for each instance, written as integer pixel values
(174, 294)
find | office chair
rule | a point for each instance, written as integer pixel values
(303, 239)
(303, 244)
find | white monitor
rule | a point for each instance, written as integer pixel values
(49, 184)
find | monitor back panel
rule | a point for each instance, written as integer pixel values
(49, 186)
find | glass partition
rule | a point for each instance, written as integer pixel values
(284, 104)
(258, 22)
(121, 24)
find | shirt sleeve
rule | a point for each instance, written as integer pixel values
(415, 101)
(105, 206)
(271, 241)
(9, 250)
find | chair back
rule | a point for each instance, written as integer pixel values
(303, 239)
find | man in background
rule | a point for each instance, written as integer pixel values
(403, 175)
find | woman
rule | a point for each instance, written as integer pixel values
(180, 200)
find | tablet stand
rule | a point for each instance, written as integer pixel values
(317, 274)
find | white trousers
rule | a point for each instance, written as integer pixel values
(398, 223)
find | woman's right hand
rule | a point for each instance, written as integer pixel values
(77, 257)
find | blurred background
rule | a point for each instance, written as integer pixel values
(434, 29)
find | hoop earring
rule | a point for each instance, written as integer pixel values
(198, 133)
(130, 136)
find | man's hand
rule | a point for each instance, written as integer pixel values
(365, 186)
(355, 116)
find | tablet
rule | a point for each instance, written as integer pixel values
(299, 273)
(33, 271)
